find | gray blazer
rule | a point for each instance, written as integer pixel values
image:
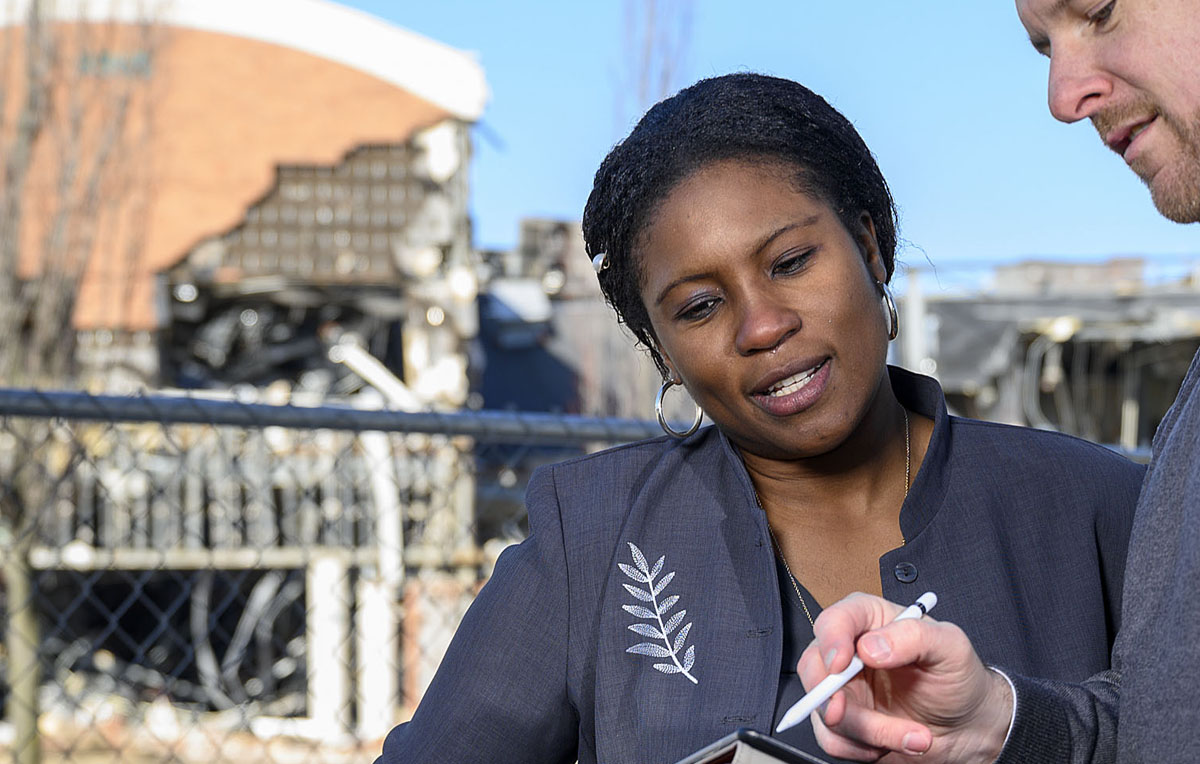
(641, 619)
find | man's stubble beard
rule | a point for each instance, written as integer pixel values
(1175, 190)
(1177, 196)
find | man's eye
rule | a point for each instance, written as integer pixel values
(1102, 16)
(697, 310)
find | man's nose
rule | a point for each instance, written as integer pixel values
(1077, 87)
(765, 324)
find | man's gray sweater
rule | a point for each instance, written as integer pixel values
(1153, 687)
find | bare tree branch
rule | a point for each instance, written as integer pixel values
(6, 64)
(73, 142)
(653, 54)
(654, 45)
(31, 120)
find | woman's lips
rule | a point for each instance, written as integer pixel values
(795, 393)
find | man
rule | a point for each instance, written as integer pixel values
(1133, 68)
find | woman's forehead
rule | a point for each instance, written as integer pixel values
(731, 194)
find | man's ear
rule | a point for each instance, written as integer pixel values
(868, 245)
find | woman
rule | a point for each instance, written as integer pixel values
(745, 235)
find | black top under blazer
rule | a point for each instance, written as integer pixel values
(1022, 534)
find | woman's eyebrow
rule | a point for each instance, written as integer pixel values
(759, 247)
(681, 280)
(811, 220)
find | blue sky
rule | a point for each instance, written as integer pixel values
(948, 94)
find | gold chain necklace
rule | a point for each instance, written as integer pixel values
(779, 549)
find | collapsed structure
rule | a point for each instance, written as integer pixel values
(1096, 350)
(246, 168)
(277, 201)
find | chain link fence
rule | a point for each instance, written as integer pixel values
(190, 579)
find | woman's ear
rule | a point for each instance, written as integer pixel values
(671, 373)
(657, 347)
(868, 245)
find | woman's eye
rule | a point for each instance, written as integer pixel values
(694, 311)
(791, 263)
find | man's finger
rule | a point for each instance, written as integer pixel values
(839, 626)
(835, 707)
(924, 642)
(881, 732)
(811, 671)
(811, 668)
(841, 746)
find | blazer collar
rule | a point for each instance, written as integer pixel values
(923, 395)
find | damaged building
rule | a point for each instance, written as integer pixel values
(325, 159)
(1096, 350)
(373, 249)
(295, 224)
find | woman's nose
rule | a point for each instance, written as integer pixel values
(765, 324)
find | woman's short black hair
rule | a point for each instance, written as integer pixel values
(736, 116)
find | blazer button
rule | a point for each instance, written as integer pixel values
(906, 572)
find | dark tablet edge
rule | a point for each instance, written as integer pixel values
(756, 740)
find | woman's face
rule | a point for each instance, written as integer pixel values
(766, 307)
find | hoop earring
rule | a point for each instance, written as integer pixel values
(889, 310)
(662, 419)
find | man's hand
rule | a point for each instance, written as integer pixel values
(923, 692)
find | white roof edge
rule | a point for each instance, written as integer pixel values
(444, 76)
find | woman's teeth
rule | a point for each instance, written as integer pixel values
(793, 383)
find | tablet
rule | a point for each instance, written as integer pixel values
(749, 747)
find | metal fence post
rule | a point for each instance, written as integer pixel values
(329, 643)
(377, 619)
(24, 670)
(377, 689)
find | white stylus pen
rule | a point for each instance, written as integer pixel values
(825, 689)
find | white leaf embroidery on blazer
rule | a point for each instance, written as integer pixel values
(643, 573)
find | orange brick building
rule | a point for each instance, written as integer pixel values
(213, 98)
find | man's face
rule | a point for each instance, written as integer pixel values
(1133, 68)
